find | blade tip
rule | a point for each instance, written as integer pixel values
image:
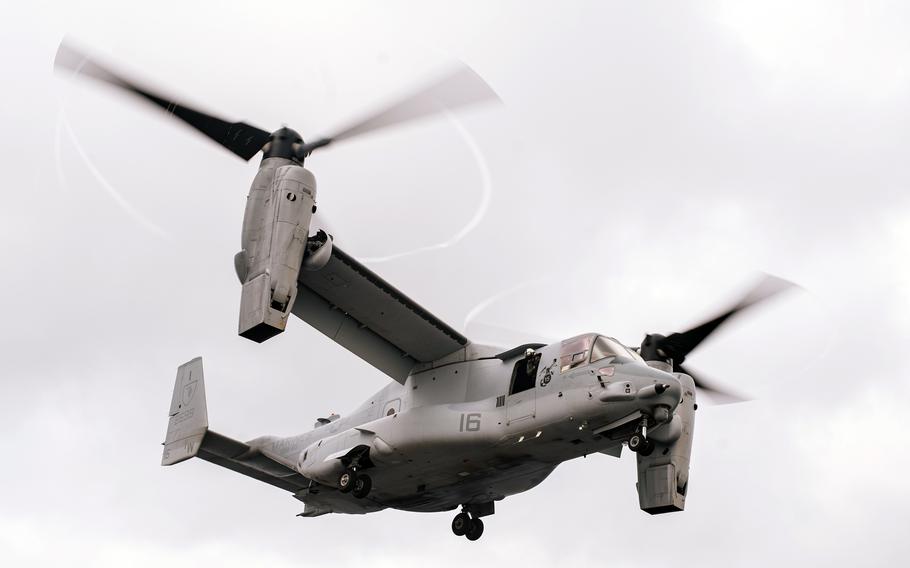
(68, 57)
(777, 283)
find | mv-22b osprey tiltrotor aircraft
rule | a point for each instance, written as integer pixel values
(461, 424)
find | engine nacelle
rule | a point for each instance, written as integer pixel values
(275, 228)
(663, 478)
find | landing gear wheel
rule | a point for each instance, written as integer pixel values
(362, 485)
(460, 524)
(647, 448)
(475, 529)
(641, 445)
(346, 480)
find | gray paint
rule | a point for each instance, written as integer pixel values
(448, 442)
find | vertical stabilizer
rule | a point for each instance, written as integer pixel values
(188, 421)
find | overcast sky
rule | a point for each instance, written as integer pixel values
(648, 160)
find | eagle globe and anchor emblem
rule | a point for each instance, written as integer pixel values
(546, 375)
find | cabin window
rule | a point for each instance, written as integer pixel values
(524, 374)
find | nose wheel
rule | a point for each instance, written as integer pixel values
(639, 442)
(641, 445)
(465, 525)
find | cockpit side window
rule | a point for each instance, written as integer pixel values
(524, 374)
(574, 352)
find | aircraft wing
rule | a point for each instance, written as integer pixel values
(363, 313)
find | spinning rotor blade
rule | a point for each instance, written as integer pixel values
(720, 395)
(677, 346)
(238, 137)
(460, 87)
(504, 337)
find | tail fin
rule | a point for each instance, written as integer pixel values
(188, 415)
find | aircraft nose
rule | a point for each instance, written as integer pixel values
(659, 388)
(650, 387)
(663, 390)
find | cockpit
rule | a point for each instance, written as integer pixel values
(591, 348)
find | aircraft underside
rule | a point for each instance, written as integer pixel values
(482, 487)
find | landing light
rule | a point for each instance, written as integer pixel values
(539, 432)
(522, 439)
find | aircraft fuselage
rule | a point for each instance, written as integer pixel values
(460, 433)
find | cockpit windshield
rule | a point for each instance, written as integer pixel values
(574, 352)
(607, 347)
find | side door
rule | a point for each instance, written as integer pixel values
(521, 402)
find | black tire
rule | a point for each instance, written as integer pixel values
(362, 485)
(475, 529)
(346, 480)
(636, 442)
(646, 448)
(460, 524)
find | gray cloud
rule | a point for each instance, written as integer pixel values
(647, 162)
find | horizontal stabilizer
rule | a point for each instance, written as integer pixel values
(247, 460)
(188, 436)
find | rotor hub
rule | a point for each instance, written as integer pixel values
(653, 348)
(284, 143)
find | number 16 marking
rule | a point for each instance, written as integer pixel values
(469, 422)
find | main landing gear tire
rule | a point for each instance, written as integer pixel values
(464, 525)
(475, 529)
(362, 485)
(346, 480)
(641, 445)
(460, 524)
